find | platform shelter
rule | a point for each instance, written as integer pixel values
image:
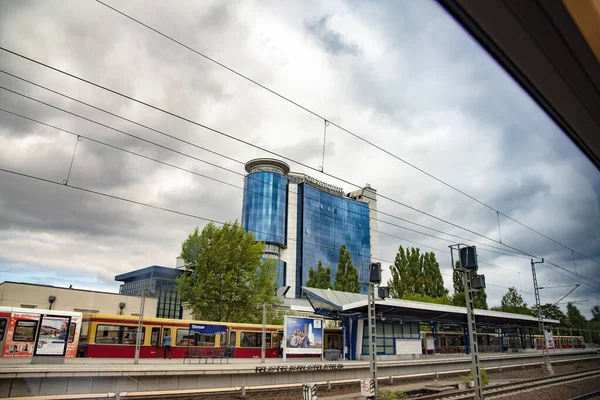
(406, 328)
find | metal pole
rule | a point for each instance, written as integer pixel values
(264, 334)
(472, 334)
(372, 342)
(138, 337)
(546, 357)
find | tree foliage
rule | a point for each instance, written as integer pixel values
(225, 276)
(458, 298)
(549, 311)
(595, 313)
(414, 273)
(512, 302)
(428, 299)
(321, 278)
(346, 277)
(574, 317)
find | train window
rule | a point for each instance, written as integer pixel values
(25, 331)
(85, 326)
(3, 322)
(275, 341)
(118, 334)
(195, 339)
(253, 339)
(232, 339)
(72, 330)
(154, 336)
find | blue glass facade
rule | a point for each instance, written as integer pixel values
(265, 206)
(325, 222)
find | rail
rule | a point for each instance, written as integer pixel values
(513, 388)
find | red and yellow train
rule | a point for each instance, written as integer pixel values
(114, 336)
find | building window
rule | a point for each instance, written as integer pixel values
(386, 333)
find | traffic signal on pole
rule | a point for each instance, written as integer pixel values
(375, 273)
(468, 258)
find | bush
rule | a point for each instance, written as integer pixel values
(391, 395)
(485, 379)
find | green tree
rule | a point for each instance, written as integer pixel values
(595, 313)
(414, 273)
(574, 317)
(320, 279)
(512, 302)
(225, 276)
(549, 311)
(428, 299)
(346, 277)
(458, 298)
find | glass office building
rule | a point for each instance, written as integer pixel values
(303, 221)
(159, 283)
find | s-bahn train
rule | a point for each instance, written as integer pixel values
(454, 342)
(114, 336)
(25, 332)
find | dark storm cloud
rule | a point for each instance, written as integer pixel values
(332, 41)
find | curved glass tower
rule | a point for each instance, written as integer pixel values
(265, 201)
(303, 221)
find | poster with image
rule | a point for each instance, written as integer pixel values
(303, 335)
(53, 336)
(20, 335)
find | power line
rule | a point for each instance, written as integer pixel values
(242, 141)
(227, 157)
(327, 120)
(255, 146)
(140, 203)
(205, 176)
(79, 135)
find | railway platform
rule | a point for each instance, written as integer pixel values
(88, 376)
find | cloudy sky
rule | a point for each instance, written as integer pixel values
(403, 75)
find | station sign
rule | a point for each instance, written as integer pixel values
(208, 328)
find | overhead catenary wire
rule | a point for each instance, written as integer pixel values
(79, 136)
(329, 121)
(219, 154)
(185, 119)
(160, 208)
(252, 145)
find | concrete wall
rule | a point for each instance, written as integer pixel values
(87, 379)
(86, 301)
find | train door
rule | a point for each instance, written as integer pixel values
(155, 341)
(3, 331)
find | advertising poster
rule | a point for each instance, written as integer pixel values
(20, 337)
(549, 340)
(53, 336)
(74, 331)
(303, 335)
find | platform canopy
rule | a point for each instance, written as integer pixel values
(333, 303)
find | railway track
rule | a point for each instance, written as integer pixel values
(513, 388)
(588, 396)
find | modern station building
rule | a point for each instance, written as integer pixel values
(159, 283)
(303, 221)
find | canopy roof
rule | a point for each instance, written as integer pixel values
(334, 303)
